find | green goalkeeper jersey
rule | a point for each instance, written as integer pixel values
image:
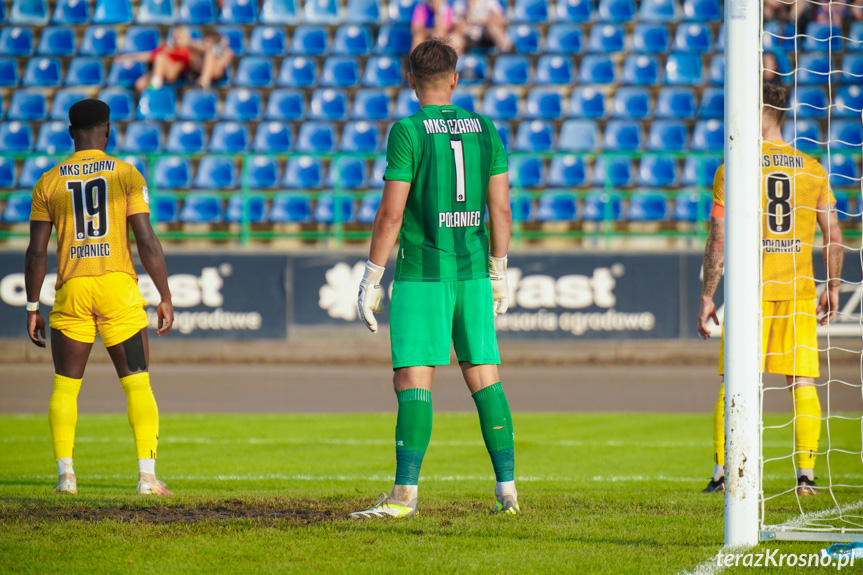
(447, 155)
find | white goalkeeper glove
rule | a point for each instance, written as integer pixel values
(499, 285)
(370, 300)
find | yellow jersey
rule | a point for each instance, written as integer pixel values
(795, 188)
(88, 198)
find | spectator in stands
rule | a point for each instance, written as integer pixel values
(168, 63)
(483, 24)
(771, 68)
(435, 18)
(210, 58)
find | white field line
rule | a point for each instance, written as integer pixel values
(817, 516)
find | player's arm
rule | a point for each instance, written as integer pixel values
(714, 262)
(153, 260)
(35, 265)
(834, 254)
(500, 228)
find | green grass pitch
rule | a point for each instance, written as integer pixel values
(600, 493)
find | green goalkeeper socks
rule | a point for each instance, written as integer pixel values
(495, 420)
(413, 433)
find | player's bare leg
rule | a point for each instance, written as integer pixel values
(495, 420)
(131, 361)
(807, 430)
(70, 358)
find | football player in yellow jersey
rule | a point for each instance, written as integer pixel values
(796, 196)
(93, 199)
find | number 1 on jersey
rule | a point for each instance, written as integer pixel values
(458, 157)
(90, 204)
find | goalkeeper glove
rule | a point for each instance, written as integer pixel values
(499, 285)
(370, 300)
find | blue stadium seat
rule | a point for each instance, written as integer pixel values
(57, 41)
(254, 205)
(598, 69)
(564, 38)
(702, 10)
(632, 102)
(530, 11)
(692, 206)
(371, 104)
(63, 100)
(684, 68)
(472, 69)
(3, 13)
(186, 138)
(27, 105)
(173, 173)
(505, 132)
(242, 105)
(71, 12)
(716, 70)
(566, 170)
(340, 72)
(99, 41)
(369, 205)
(779, 37)
(236, 37)
(42, 72)
(120, 101)
(574, 10)
(18, 206)
(143, 138)
(202, 208)
(535, 136)
(112, 12)
(112, 141)
(852, 69)
(360, 136)
(647, 207)
(164, 208)
(465, 100)
(708, 135)
(216, 173)
(310, 41)
(623, 135)
(678, 103)
(329, 210)
(263, 172)
(159, 105)
(85, 71)
(805, 135)
(15, 41)
(544, 104)
(848, 101)
(712, 103)
(280, 12)
(352, 40)
(273, 138)
(407, 103)
(693, 38)
(842, 170)
(239, 12)
(525, 38)
(376, 178)
(555, 69)
(393, 40)
(286, 104)
(512, 70)
(699, 170)
(54, 138)
(603, 206)
(616, 10)
(650, 38)
(521, 207)
(363, 12)
(124, 74)
(322, 11)
(316, 138)
(347, 173)
(400, 11)
(846, 134)
(156, 12)
(382, 72)
(298, 72)
(843, 207)
(291, 208)
(303, 172)
(268, 41)
(579, 136)
(230, 138)
(138, 163)
(501, 104)
(199, 105)
(605, 38)
(557, 206)
(197, 12)
(658, 171)
(855, 37)
(7, 173)
(33, 169)
(586, 102)
(822, 38)
(16, 137)
(8, 72)
(658, 11)
(808, 102)
(254, 72)
(668, 136)
(526, 171)
(328, 104)
(140, 39)
(641, 70)
(29, 12)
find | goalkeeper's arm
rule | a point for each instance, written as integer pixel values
(834, 254)
(714, 262)
(500, 227)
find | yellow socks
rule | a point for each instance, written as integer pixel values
(719, 428)
(63, 415)
(807, 425)
(143, 413)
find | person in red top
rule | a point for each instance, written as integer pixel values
(168, 63)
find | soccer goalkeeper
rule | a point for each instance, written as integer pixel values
(444, 166)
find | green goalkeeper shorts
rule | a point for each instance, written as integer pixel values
(426, 317)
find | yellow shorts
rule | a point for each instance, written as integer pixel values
(110, 305)
(788, 338)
